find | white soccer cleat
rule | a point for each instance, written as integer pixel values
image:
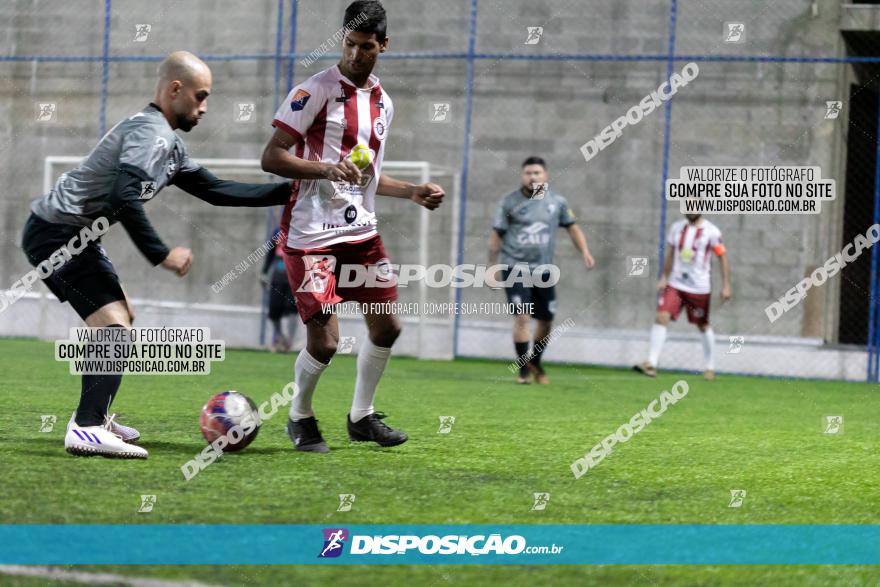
(127, 433)
(99, 440)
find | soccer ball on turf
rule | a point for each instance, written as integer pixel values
(231, 414)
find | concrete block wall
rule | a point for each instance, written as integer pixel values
(733, 113)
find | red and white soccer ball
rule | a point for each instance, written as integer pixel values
(231, 414)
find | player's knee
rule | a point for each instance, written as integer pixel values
(322, 350)
(662, 318)
(113, 313)
(322, 346)
(386, 334)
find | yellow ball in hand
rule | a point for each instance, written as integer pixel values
(361, 156)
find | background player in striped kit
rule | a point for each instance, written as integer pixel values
(129, 166)
(687, 281)
(524, 232)
(331, 221)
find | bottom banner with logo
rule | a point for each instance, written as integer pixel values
(446, 544)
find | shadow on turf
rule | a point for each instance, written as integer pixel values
(49, 446)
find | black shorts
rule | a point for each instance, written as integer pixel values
(281, 301)
(542, 298)
(87, 280)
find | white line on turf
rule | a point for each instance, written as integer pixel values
(92, 578)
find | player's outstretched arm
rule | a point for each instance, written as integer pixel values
(127, 208)
(429, 195)
(204, 185)
(278, 159)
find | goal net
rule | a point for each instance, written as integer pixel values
(222, 290)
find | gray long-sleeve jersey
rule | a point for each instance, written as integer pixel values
(528, 227)
(128, 167)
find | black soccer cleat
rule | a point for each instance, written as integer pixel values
(306, 436)
(372, 429)
(525, 375)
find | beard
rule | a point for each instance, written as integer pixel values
(186, 123)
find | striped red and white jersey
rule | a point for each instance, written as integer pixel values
(328, 115)
(693, 246)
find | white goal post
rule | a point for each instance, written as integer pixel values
(425, 336)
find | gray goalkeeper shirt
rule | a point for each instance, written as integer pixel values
(527, 227)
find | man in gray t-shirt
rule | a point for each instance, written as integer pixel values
(129, 166)
(524, 233)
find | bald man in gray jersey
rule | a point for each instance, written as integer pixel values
(129, 166)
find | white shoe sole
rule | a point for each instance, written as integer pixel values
(90, 451)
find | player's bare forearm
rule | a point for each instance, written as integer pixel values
(667, 263)
(428, 195)
(725, 278)
(394, 188)
(578, 238)
(580, 243)
(667, 268)
(279, 161)
(494, 247)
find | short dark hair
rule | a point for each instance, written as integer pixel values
(366, 16)
(535, 160)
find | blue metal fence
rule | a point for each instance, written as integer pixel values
(280, 58)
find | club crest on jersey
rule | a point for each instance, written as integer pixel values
(299, 101)
(380, 127)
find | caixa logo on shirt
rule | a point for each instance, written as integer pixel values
(534, 234)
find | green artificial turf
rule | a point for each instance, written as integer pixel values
(508, 441)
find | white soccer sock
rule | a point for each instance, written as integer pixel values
(658, 336)
(306, 372)
(708, 348)
(371, 364)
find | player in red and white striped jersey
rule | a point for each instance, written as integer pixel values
(687, 282)
(330, 220)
